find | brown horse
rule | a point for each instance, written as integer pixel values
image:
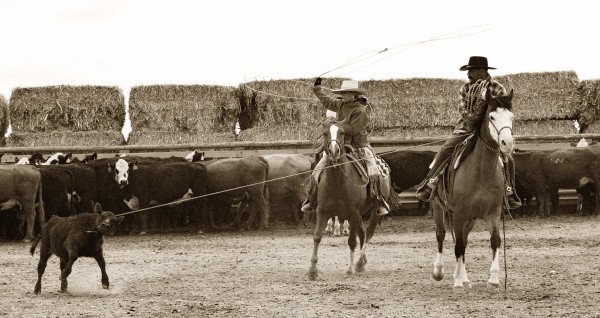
(476, 189)
(343, 192)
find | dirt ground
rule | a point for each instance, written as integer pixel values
(552, 264)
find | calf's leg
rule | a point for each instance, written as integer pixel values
(40, 269)
(66, 271)
(100, 259)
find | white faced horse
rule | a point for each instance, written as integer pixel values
(476, 190)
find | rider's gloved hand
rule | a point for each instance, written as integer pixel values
(318, 81)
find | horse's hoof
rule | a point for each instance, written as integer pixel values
(438, 275)
(312, 275)
(350, 272)
(104, 286)
(493, 285)
(458, 290)
(360, 268)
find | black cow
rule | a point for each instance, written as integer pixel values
(84, 184)
(72, 237)
(408, 167)
(58, 191)
(142, 186)
(235, 178)
(544, 172)
(108, 193)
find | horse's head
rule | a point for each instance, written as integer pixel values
(333, 138)
(500, 121)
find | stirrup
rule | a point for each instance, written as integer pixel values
(306, 207)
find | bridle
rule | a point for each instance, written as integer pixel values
(335, 161)
(498, 131)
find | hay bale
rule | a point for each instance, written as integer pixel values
(4, 121)
(414, 102)
(65, 138)
(282, 103)
(194, 109)
(589, 109)
(290, 108)
(544, 127)
(409, 132)
(71, 108)
(543, 96)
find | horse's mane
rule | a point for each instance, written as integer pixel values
(503, 101)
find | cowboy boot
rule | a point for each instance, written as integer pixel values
(308, 206)
(426, 190)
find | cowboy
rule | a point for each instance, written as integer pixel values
(477, 72)
(351, 113)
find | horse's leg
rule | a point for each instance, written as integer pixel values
(317, 236)
(352, 246)
(336, 226)
(346, 228)
(440, 234)
(362, 237)
(460, 273)
(329, 228)
(495, 241)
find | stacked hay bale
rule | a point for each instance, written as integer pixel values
(544, 103)
(66, 116)
(413, 107)
(281, 109)
(288, 109)
(176, 114)
(4, 121)
(589, 113)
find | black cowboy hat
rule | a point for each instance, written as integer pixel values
(476, 62)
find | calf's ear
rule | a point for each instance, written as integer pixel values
(97, 208)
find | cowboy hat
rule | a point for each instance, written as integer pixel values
(350, 86)
(476, 62)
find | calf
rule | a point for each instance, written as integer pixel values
(72, 237)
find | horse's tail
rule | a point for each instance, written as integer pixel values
(373, 222)
(448, 223)
(265, 187)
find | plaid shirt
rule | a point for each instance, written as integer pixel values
(470, 113)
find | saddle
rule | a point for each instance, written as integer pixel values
(361, 165)
(463, 150)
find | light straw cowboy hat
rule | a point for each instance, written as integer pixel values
(350, 86)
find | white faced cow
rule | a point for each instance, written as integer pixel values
(160, 182)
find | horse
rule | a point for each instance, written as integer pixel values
(342, 191)
(475, 189)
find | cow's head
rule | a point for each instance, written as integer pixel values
(89, 158)
(121, 171)
(195, 155)
(106, 220)
(59, 158)
(37, 159)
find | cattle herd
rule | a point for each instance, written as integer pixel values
(194, 193)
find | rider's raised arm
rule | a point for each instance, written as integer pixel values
(330, 103)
